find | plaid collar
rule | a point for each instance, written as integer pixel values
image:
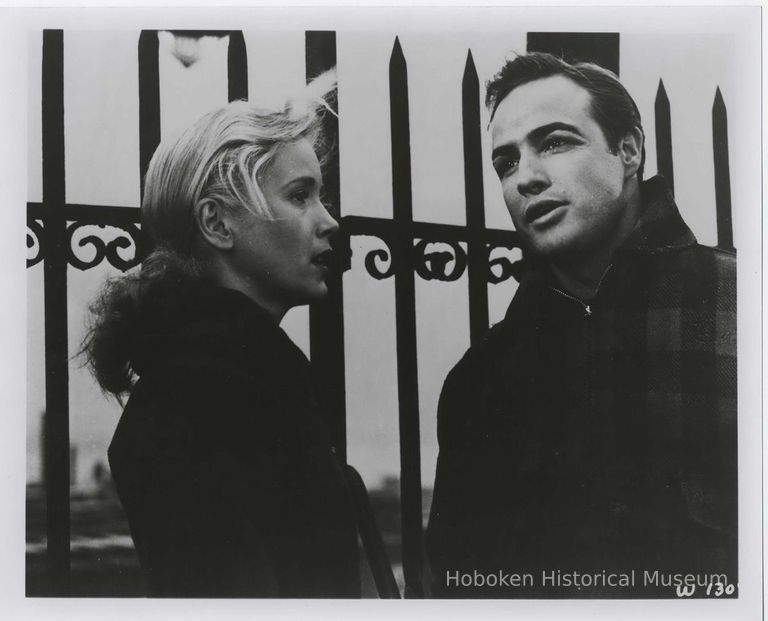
(660, 228)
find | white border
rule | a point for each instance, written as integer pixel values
(13, 27)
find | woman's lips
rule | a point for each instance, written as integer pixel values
(323, 259)
(539, 210)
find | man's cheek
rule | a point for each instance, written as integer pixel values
(514, 205)
(516, 218)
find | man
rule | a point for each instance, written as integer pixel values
(590, 439)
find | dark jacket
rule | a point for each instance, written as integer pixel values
(599, 435)
(222, 461)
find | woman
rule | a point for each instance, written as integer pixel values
(221, 461)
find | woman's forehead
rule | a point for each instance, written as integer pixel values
(294, 160)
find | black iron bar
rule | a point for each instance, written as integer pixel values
(477, 254)
(326, 317)
(722, 173)
(237, 67)
(56, 448)
(405, 319)
(664, 137)
(351, 226)
(149, 110)
(149, 99)
(433, 231)
(96, 214)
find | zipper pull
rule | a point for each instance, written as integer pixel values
(587, 311)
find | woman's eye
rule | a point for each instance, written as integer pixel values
(300, 197)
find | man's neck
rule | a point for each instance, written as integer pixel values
(582, 281)
(581, 276)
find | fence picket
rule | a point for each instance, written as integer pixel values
(405, 310)
(722, 173)
(477, 252)
(664, 137)
(149, 115)
(149, 99)
(237, 67)
(56, 449)
(326, 317)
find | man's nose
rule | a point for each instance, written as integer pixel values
(532, 179)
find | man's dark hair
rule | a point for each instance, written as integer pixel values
(613, 108)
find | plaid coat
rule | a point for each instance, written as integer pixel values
(601, 435)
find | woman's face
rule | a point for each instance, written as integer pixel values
(284, 261)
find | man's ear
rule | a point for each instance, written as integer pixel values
(214, 223)
(631, 151)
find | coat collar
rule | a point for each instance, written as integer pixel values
(203, 317)
(660, 227)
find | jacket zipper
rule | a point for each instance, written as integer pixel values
(587, 307)
(589, 339)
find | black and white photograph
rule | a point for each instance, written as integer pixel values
(386, 303)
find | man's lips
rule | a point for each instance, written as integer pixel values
(540, 209)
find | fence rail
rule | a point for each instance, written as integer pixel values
(53, 228)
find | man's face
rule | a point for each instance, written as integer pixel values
(563, 186)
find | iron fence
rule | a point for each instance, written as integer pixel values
(52, 225)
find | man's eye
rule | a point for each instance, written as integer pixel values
(505, 166)
(554, 144)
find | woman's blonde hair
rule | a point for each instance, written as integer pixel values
(223, 156)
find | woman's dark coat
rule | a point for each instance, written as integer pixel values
(222, 461)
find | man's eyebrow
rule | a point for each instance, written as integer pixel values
(504, 149)
(534, 136)
(540, 132)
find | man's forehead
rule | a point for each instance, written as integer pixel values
(554, 99)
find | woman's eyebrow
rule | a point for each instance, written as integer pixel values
(306, 180)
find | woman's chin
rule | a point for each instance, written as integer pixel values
(315, 294)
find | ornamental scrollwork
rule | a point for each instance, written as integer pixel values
(442, 264)
(434, 265)
(35, 250)
(501, 268)
(372, 263)
(127, 236)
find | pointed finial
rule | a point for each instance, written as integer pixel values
(469, 66)
(719, 101)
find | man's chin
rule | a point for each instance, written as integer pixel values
(554, 248)
(564, 242)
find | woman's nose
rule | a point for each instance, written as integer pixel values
(328, 224)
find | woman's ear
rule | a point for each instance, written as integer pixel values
(213, 222)
(631, 151)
